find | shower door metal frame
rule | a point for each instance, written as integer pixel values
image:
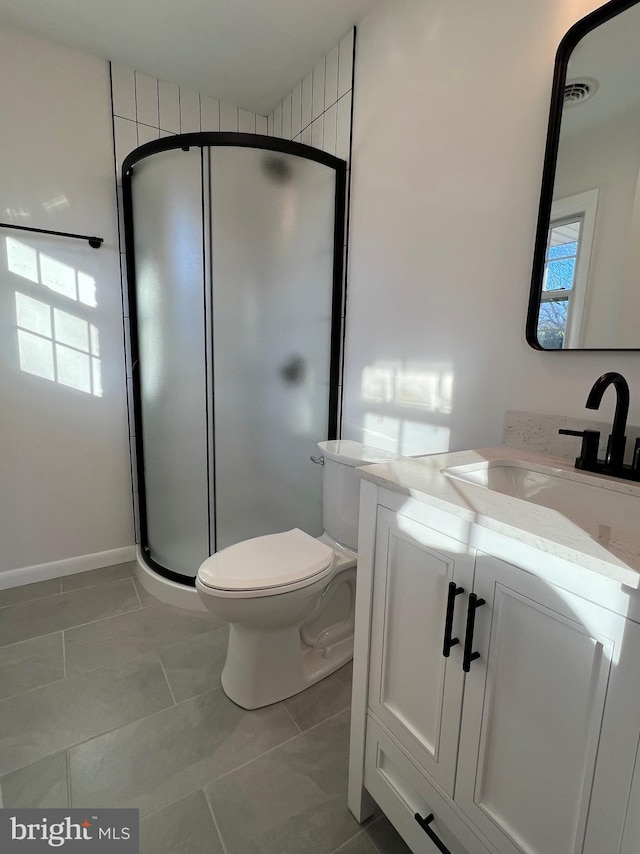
(204, 140)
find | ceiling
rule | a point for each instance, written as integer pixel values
(609, 54)
(250, 53)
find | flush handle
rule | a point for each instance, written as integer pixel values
(319, 461)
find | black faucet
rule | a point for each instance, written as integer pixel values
(617, 440)
(613, 463)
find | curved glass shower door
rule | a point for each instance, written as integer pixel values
(171, 365)
(272, 220)
(235, 291)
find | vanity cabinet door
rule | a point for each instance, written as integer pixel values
(413, 689)
(551, 717)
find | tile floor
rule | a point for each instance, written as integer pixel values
(110, 698)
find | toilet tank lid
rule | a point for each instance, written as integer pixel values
(352, 453)
(270, 561)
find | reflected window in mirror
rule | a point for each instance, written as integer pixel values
(585, 290)
(565, 284)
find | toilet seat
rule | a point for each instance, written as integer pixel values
(269, 565)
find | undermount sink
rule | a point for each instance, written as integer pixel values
(574, 494)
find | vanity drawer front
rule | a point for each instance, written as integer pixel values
(401, 791)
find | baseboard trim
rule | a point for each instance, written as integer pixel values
(69, 566)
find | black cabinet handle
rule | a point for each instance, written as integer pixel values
(469, 656)
(424, 824)
(448, 623)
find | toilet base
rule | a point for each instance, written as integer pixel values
(251, 680)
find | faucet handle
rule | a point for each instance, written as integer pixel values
(588, 458)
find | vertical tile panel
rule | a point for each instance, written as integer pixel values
(305, 136)
(262, 125)
(147, 99)
(123, 87)
(189, 111)
(126, 139)
(286, 117)
(277, 121)
(317, 133)
(331, 78)
(246, 121)
(317, 95)
(343, 135)
(228, 117)
(169, 100)
(296, 110)
(209, 113)
(345, 64)
(270, 124)
(330, 126)
(146, 134)
(307, 98)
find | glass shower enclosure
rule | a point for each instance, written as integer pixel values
(234, 262)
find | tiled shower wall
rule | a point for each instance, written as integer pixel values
(316, 112)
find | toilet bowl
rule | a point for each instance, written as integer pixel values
(289, 597)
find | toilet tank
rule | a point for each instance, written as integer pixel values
(341, 486)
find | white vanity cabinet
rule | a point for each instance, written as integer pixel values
(532, 749)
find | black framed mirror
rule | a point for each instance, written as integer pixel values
(585, 286)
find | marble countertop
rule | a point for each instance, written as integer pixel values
(611, 551)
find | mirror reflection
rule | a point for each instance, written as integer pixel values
(586, 282)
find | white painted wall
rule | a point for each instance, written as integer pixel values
(64, 467)
(450, 116)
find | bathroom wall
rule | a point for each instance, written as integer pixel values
(450, 117)
(64, 455)
(317, 111)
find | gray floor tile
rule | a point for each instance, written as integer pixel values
(386, 838)
(28, 592)
(193, 666)
(67, 712)
(93, 577)
(42, 784)
(44, 616)
(185, 827)
(151, 763)
(323, 700)
(128, 636)
(291, 801)
(30, 664)
(145, 597)
(359, 844)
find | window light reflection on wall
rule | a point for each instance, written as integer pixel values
(52, 343)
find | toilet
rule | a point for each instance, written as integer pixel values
(289, 597)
